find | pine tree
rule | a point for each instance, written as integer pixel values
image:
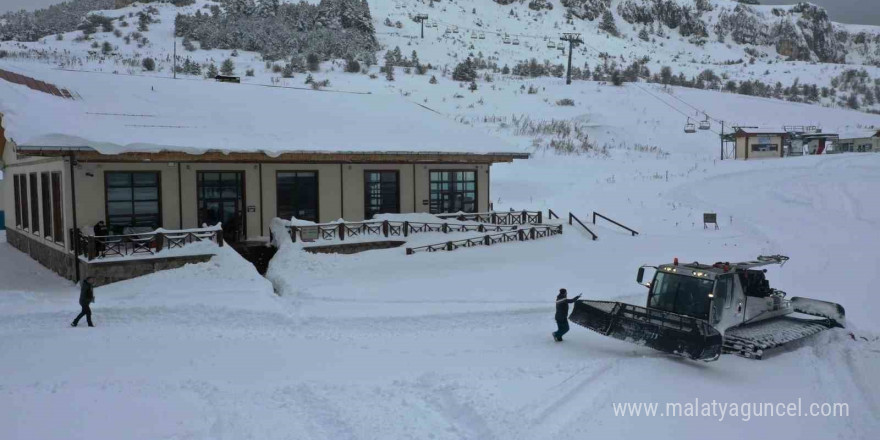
(313, 62)
(608, 24)
(148, 64)
(309, 79)
(473, 86)
(433, 80)
(389, 70)
(212, 71)
(465, 71)
(106, 48)
(643, 35)
(228, 67)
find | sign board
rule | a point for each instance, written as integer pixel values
(308, 234)
(710, 218)
(251, 208)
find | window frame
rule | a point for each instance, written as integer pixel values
(34, 203)
(107, 201)
(367, 194)
(452, 182)
(45, 204)
(317, 175)
(16, 189)
(57, 184)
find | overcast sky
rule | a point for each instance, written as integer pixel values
(844, 11)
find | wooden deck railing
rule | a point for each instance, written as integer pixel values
(387, 228)
(525, 234)
(93, 247)
(632, 231)
(499, 217)
(572, 218)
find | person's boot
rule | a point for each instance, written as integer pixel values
(91, 325)
(73, 324)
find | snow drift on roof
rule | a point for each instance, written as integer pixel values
(117, 113)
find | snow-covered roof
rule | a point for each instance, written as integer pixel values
(760, 131)
(860, 134)
(119, 113)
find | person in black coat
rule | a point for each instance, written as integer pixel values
(86, 297)
(100, 230)
(562, 303)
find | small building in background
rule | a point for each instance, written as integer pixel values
(757, 143)
(860, 142)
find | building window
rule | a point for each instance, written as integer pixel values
(382, 193)
(764, 147)
(16, 187)
(297, 195)
(47, 207)
(35, 204)
(133, 201)
(57, 209)
(453, 191)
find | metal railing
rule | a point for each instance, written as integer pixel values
(572, 218)
(632, 231)
(551, 215)
(499, 217)
(94, 247)
(525, 234)
(386, 228)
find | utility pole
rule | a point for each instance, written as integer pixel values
(722, 140)
(573, 40)
(421, 19)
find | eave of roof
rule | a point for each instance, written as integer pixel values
(88, 154)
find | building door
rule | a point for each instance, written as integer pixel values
(221, 200)
(453, 191)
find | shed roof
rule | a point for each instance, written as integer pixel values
(115, 114)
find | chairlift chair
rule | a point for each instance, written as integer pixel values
(516, 42)
(482, 36)
(704, 124)
(551, 45)
(473, 36)
(506, 40)
(690, 127)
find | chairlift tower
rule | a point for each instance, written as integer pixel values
(573, 39)
(421, 19)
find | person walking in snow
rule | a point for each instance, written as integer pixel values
(86, 297)
(562, 303)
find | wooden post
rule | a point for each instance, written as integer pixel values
(293, 230)
(487, 240)
(341, 231)
(219, 237)
(448, 245)
(409, 251)
(525, 217)
(159, 238)
(540, 216)
(532, 232)
(594, 217)
(445, 228)
(481, 228)
(494, 218)
(406, 230)
(385, 227)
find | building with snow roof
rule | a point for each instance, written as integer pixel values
(141, 153)
(865, 142)
(756, 143)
